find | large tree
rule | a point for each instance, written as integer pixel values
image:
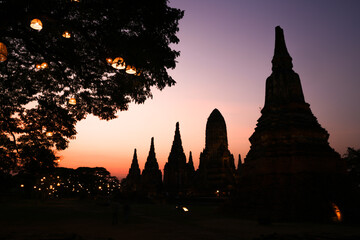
(72, 59)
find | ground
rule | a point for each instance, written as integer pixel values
(96, 220)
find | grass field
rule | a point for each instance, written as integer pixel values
(93, 220)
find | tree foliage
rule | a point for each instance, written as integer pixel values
(36, 100)
(352, 158)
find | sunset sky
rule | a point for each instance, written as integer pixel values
(226, 50)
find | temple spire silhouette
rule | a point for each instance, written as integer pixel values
(281, 59)
(134, 169)
(151, 175)
(216, 167)
(283, 86)
(175, 175)
(133, 179)
(190, 164)
(289, 150)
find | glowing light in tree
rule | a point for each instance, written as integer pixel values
(66, 34)
(109, 60)
(36, 24)
(3, 52)
(72, 101)
(49, 134)
(130, 69)
(44, 65)
(118, 63)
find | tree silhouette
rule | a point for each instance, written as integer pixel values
(352, 158)
(53, 77)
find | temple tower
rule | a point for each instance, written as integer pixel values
(290, 170)
(190, 165)
(133, 179)
(175, 175)
(216, 169)
(151, 175)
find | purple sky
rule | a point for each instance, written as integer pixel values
(226, 50)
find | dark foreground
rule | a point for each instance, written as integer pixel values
(102, 220)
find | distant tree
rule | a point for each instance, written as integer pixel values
(42, 70)
(352, 158)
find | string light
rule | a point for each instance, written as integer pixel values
(36, 24)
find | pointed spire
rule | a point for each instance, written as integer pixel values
(135, 160)
(190, 159)
(177, 137)
(134, 170)
(190, 164)
(239, 164)
(282, 59)
(176, 147)
(152, 148)
(151, 162)
(177, 132)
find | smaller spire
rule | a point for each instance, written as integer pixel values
(282, 59)
(177, 133)
(176, 147)
(135, 160)
(151, 162)
(239, 167)
(152, 148)
(190, 164)
(190, 159)
(134, 170)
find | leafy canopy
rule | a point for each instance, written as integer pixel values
(35, 100)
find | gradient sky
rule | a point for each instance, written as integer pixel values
(226, 50)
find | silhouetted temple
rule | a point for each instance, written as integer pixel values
(216, 169)
(190, 171)
(133, 179)
(290, 172)
(175, 172)
(151, 175)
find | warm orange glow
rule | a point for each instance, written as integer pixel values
(44, 65)
(22, 185)
(72, 101)
(49, 134)
(38, 66)
(185, 209)
(337, 212)
(36, 24)
(130, 69)
(66, 34)
(3, 52)
(109, 60)
(118, 63)
(75, 0)
(138, 73)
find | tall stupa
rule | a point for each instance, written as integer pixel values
(151, 175)
(175, 171)
(216, 168)
(290, 172)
